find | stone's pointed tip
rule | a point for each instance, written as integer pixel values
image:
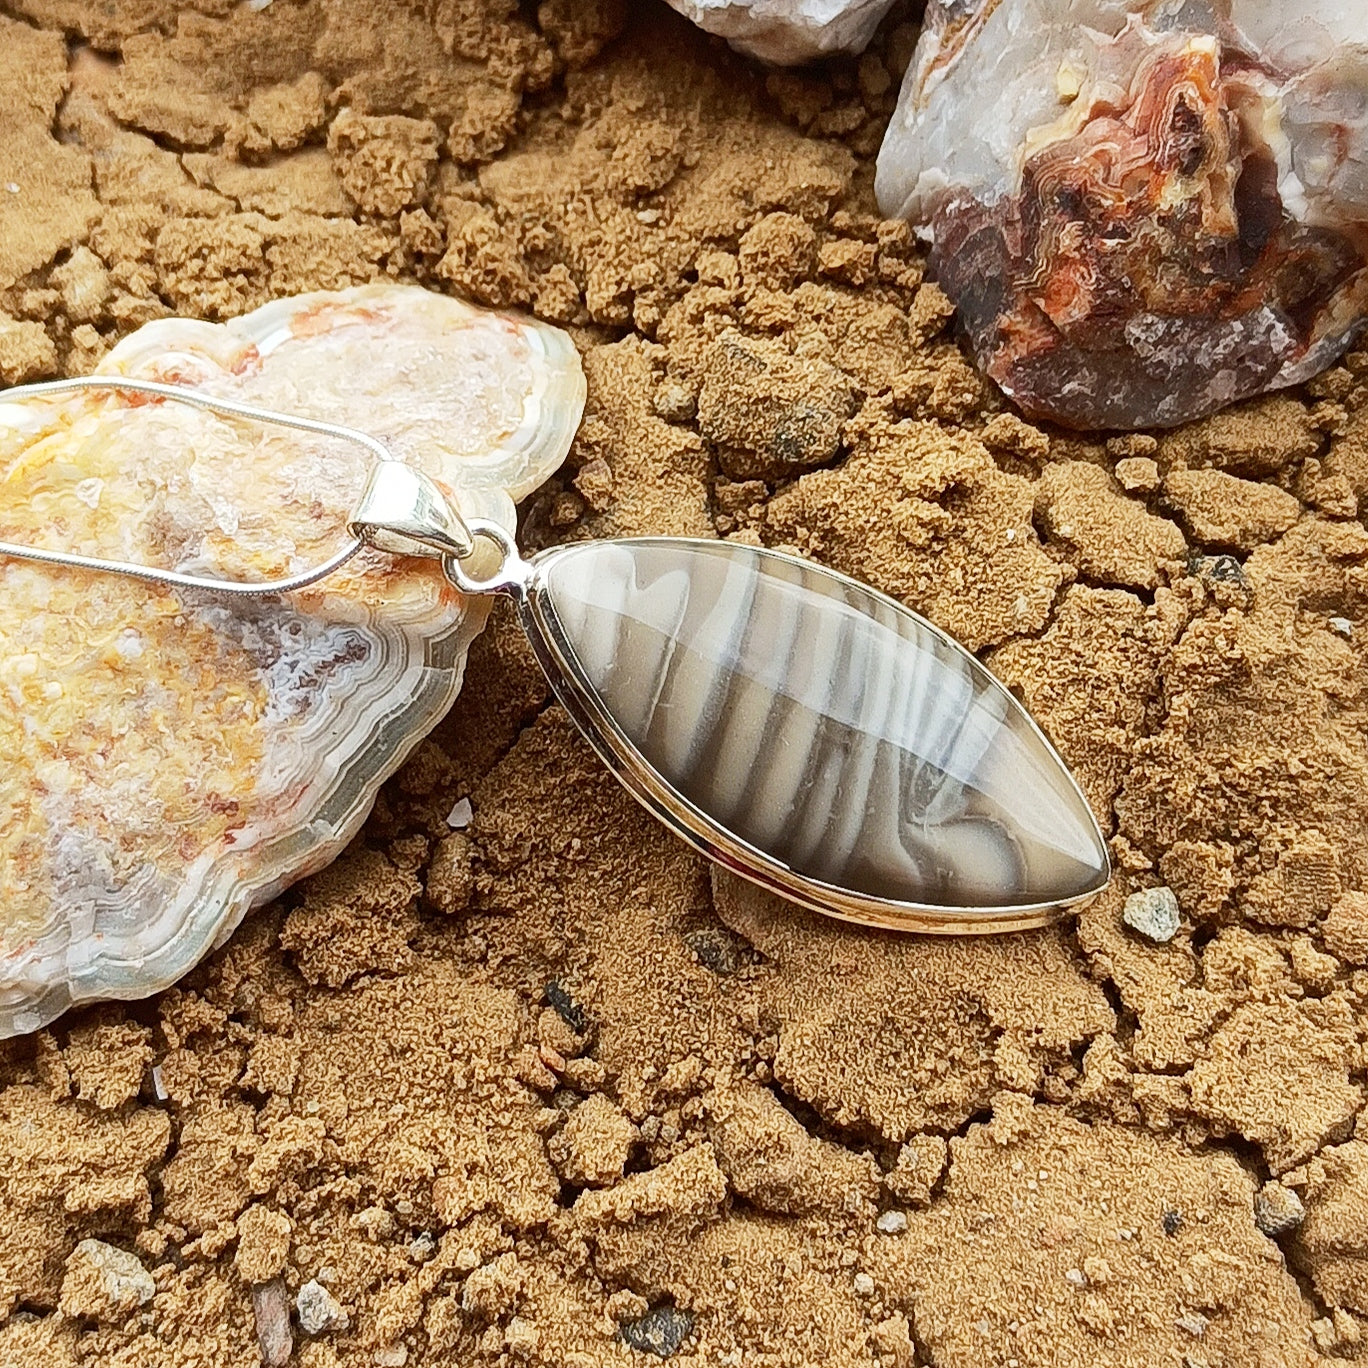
(788, 720)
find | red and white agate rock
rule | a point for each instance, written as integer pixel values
(1142, 209)
(172, 759)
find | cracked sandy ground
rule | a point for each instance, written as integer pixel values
(541, 1091)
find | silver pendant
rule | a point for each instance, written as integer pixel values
(792, 724)
(806, 731)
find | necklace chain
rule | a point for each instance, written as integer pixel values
(401, 511)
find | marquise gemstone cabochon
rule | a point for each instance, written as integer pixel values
(813, 734)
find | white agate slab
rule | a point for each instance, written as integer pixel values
(169, 760)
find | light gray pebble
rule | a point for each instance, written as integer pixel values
(892, 1222)
(1277, 1209)
(318, 1310)
(660, 1331)
(1153, 912)
(124, 1280)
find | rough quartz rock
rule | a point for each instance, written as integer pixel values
(172, 760)
(1143, 210)
(788, 32)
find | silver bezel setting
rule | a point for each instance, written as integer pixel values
(527, 584)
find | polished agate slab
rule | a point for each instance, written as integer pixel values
(1143, 210)
(171, 759)
(813, 734)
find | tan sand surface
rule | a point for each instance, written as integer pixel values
(545, 1091)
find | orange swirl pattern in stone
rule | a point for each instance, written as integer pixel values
(1142, 211)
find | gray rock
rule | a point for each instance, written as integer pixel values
(770, 413)
(318, 1310)
(717, 949)
(1222, 569)
(788, 32)
(660, 1331)
(569, 1011)
(1153, 912)
(1277, 1209)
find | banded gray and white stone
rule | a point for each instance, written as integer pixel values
(821, 723)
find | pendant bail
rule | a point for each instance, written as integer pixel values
(403, 512)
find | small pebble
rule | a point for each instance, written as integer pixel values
(574, 1016)
(660, 1331)
(892, 1222)
(1153, 912)
(1343, 626)
(271, 1308)
(1222, 569)
(104, 1283)
(318, 1310)
(391, 1356)
(1076, 1277)
(459, 816)
(1194, 1323)
(864, 1285)
(716, 949)
(1137, 474)
(1277, 1209)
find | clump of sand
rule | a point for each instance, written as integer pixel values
(544, 1089)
